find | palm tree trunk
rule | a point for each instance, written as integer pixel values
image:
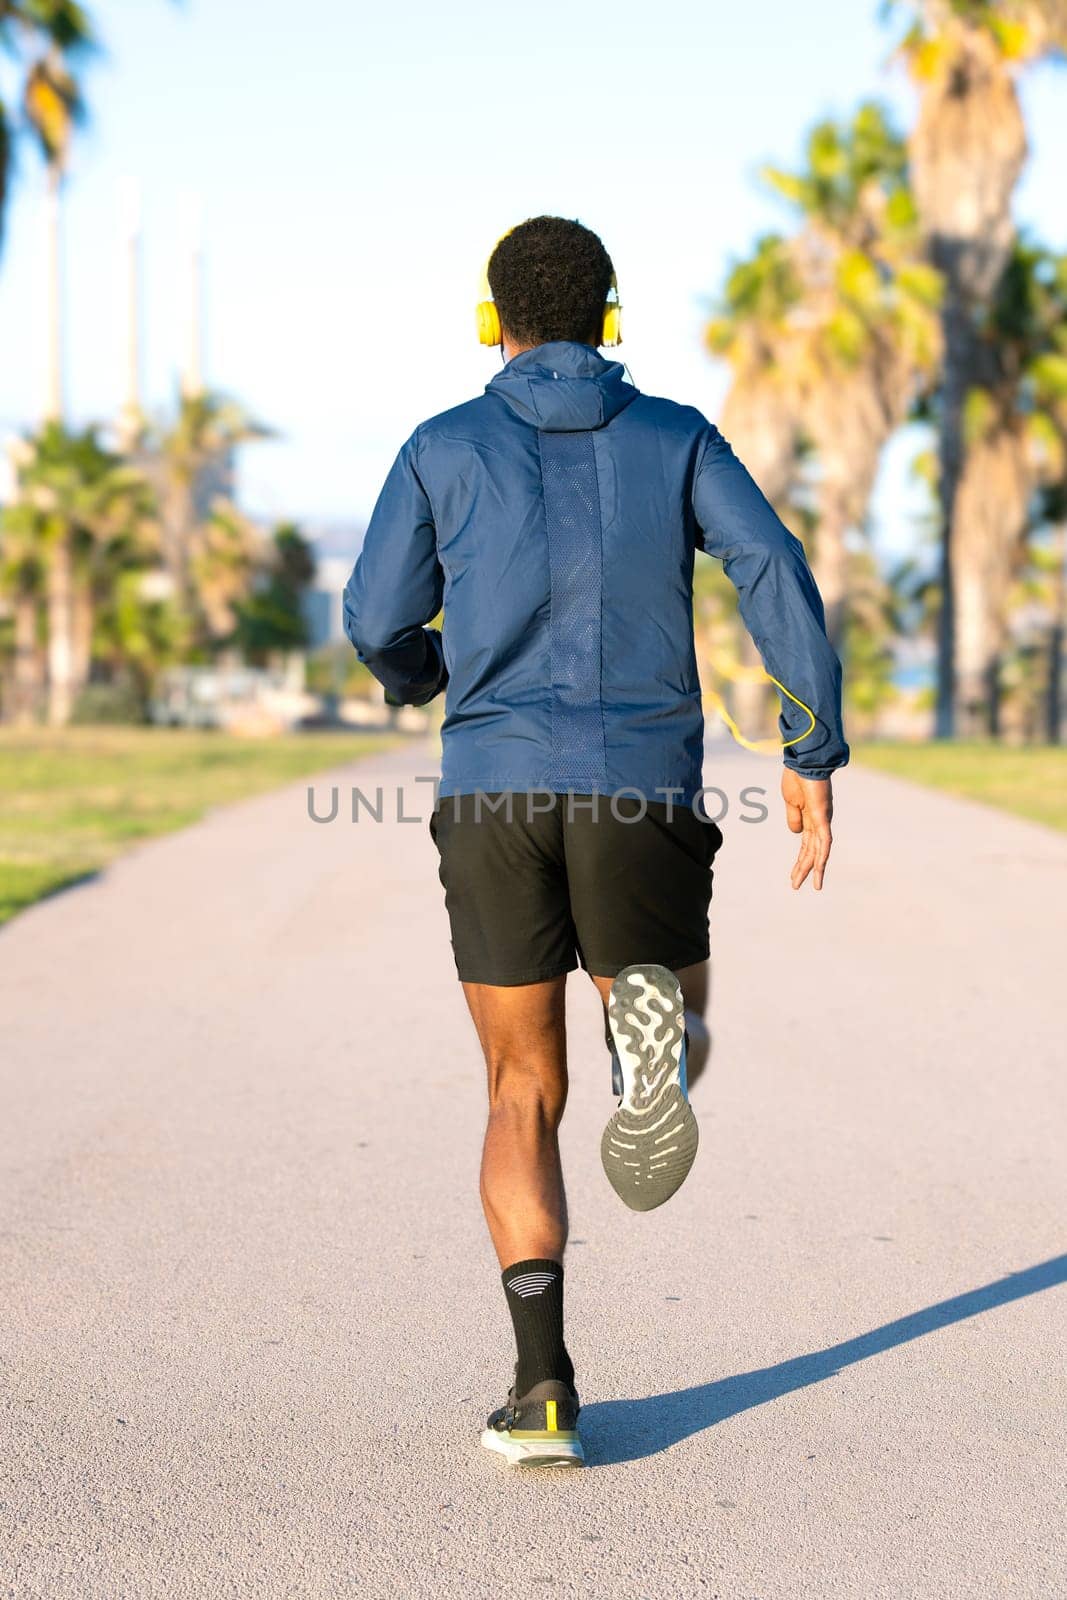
(959, 361)
(1054, 702)
(27, 673)
(81, 636)
(980, 645)
(1054, 706)
(60, 630)
(988, 543)
(831, 566)
(993, 697)
(973, 648)
(178, 522)
(967, 151)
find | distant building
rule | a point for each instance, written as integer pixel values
(322, 602)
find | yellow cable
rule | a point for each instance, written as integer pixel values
(743, 674)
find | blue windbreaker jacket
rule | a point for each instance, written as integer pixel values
(556, 518)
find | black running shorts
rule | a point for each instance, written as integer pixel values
(536, 883)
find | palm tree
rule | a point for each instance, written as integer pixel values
(118, 534)
(193, 469)
(831, 333)
(864, 334)
(50, 37)
(139, 632)
(53, 104)
(270, 619)
(22, 579)
(1057, 633)
(1014, 426)
(225, 558)
(874, 625)
(967, 152)
(749, 329)
(76, 500)
(8, 14)
(1048, 379)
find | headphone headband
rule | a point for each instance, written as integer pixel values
(487, 316)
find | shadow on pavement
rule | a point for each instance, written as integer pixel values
(627, 1430)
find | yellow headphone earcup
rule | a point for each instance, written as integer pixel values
(611, 333)
(488, 322)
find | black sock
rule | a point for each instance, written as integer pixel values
(535, 1300)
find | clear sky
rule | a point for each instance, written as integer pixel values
(356, 163)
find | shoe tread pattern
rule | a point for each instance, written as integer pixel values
(650, 1144)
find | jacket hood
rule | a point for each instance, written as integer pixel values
(563, 387)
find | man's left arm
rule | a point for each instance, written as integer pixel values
(397, 586)
(782, 610)
(779, 604)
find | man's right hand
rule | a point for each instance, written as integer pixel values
(809, 810)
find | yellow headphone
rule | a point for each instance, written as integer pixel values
(488, 317)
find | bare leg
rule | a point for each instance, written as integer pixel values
(694, 985)
(523, 1039)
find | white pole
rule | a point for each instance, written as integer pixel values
(53, 410)
(131, 416)
(193, 251)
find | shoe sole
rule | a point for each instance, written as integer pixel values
(536, 1449)
(650, 1144)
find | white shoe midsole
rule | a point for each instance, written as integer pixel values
(516, 1451)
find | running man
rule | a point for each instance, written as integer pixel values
(556, 518)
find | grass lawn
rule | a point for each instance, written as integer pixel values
(1032, 782)
(71, 800)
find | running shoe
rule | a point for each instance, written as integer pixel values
(650, 1143)
(540, 1430)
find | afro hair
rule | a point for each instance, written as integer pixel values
(550, 279)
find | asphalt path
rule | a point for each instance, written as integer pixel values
(252, 1322)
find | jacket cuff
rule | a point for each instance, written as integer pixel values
(818, 774)
(436, 671)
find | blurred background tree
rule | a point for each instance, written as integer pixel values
(49, 38)
(901, 291)
(967, 151)
(191, 462)
(60, 38)
(85, 516)
(863, 340)
(832, 334)
(895, 290)
(270, 621)
(121, 562)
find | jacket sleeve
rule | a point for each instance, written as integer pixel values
(396, 587)
(779, 603)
